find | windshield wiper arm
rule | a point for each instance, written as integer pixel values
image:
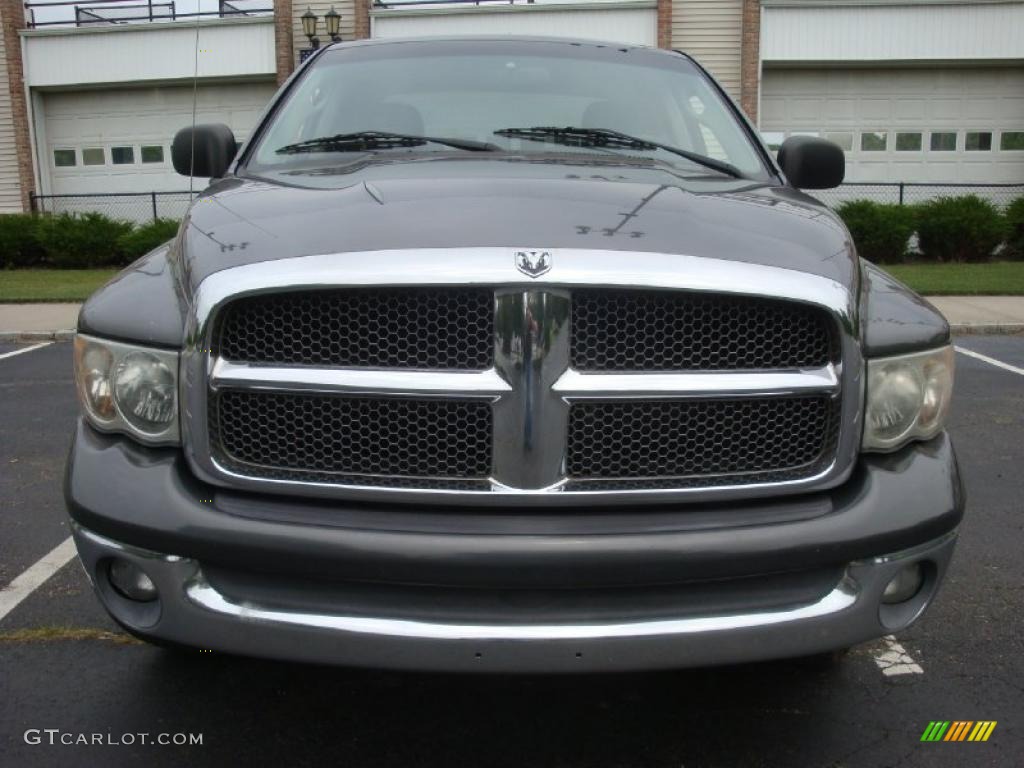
(367, 140)
(606, 137)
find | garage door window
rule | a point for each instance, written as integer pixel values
(122, 155)
(1012, 141)
(844, 140)
(773, 139)
(943, 141)
(978, 141)
(908, 142)
(63, 158)
(152, 154)
(873, 141)
(93, 156)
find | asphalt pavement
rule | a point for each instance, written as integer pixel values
(68, 674)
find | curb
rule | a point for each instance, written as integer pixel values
(979, 329)
(63, 335)
(982, 329)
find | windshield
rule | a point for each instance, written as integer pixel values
(499, 96)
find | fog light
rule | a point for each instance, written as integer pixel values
(131, 582)
(904, 585)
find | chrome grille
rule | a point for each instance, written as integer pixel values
(327, 435)
(616, 330)
(393, 328)
(572, 388)
(701, 441)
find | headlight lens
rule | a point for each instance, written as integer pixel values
(144, 389)
(127, 388)
(908, 398)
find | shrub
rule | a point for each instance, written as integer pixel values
(1015, 229)
(19, 241)
(145, 238)
(880, 231)
(966, 228)
(73, 241)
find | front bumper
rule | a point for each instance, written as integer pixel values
(144, 506)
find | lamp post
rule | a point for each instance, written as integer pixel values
(309, 27)
(332, 19)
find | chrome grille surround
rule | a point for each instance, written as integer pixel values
(532, 385)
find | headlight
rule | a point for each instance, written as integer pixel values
(908, 398)
(126, 388)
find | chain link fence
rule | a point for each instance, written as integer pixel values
(136, 207)
(140, 207)
(909, 193)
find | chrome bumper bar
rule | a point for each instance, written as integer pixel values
(192, 612)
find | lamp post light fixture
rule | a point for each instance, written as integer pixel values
(332, 19)
(309, 28)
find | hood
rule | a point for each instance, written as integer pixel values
(551, 203)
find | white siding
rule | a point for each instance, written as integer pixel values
(10, 184)
(904, 100)
(897, 32)
(632, 23)
(346, 26)
(711, 31)
(147, 52)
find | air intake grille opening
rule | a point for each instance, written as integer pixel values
(351, 436)
(661, 331)
(754, 440)
(428, 328)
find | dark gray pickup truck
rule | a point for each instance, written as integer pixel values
(511, 354)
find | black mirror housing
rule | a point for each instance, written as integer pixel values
(214, 148)
(812, 163)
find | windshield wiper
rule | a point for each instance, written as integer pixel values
(605, 137)
(369, 140)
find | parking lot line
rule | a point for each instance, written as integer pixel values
(990, 360)
(25, 349)
(893, 659)
(36, 575)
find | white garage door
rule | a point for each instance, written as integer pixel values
(927, 124)
(120, 140)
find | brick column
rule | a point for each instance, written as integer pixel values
(750, 58)
(362, 19)
(283, 52)
(664, 23)
(12, 18)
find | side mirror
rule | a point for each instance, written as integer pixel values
(811, 163)
(203, 150)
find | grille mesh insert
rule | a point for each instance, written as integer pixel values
(659, 331)
(327, 435)
(437, 328)
(761, 439)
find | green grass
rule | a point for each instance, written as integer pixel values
(994, 279)
(998, 278)
(26, 285)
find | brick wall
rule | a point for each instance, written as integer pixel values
(750, 58)
(12, 19)
(283, 40)
(664, 23)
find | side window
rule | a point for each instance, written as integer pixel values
(64, 158)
